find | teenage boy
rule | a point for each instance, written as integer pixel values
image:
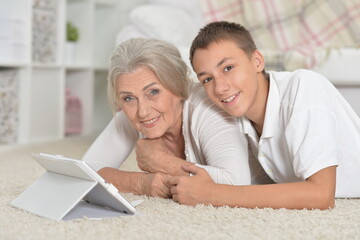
(299, 128)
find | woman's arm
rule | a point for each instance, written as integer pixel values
(150, 184)
(214, 144)
(109, 151)
(317, 192)
(153, 156)
(226, 156)
(113, 145)
(216, 137)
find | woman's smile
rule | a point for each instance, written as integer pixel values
(152, 109)
(150, 123)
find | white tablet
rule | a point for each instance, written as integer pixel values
(66, 182)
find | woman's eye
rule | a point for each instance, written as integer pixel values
(154, 92)
(127, 99)
(228, 68)
(206, 80)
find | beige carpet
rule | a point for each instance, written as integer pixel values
(160, 219)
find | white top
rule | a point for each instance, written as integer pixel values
(211, 139)
(308, 126)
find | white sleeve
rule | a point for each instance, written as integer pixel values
(113, 145)
(223, 146)
(313, 141)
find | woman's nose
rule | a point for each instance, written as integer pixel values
(143, 108)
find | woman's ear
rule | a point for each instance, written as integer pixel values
(258, 60)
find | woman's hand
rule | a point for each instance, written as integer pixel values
(140, 183)
(154, 185)
(192, 190)
(151, 155)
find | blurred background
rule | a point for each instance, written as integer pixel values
(54, 53)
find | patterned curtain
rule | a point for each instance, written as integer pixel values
(292, 34)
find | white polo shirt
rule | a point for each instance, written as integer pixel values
(308, 126)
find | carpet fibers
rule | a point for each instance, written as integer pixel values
(160, 218)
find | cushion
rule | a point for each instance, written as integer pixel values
(228, 10)
(129, 31)
(165, 22)
(190, 6)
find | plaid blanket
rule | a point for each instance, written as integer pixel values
(292, 34)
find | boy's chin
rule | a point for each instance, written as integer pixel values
(233, 113)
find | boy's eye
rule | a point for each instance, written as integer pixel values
(228, 68)
(206, 80)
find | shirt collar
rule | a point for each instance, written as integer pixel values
(271, 114)
(272, 109)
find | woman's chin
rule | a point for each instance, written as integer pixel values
(152, 135)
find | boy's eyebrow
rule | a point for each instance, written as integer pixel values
(217, 65)
(144, 88)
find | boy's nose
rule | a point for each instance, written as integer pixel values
(221, 86)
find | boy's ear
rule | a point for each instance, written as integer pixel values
(258, 60)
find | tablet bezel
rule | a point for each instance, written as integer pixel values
(103, 194)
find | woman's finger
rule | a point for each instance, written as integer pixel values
(167, 191)
(173, 190)
(172, 181)
(175, 198)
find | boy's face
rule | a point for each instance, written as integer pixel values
(230, 77)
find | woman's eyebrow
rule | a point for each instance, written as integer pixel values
(124, 92)
(144, 88)
(149, 85)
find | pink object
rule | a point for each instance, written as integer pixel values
(73, 114)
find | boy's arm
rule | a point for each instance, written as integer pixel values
(317, 192)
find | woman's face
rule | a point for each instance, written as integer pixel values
(151, 108)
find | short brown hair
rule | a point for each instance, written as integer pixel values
(218, 31)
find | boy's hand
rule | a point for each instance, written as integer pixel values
(192, 190)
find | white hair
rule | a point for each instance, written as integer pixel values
(161, 57)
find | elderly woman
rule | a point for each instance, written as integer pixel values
(172, 122)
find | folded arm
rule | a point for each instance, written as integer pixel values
(153, 156)
(140, 183)
(109, 151)
(112, 147)
(217, 145)
(317, 192)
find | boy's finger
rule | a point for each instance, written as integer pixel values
(192, 169)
